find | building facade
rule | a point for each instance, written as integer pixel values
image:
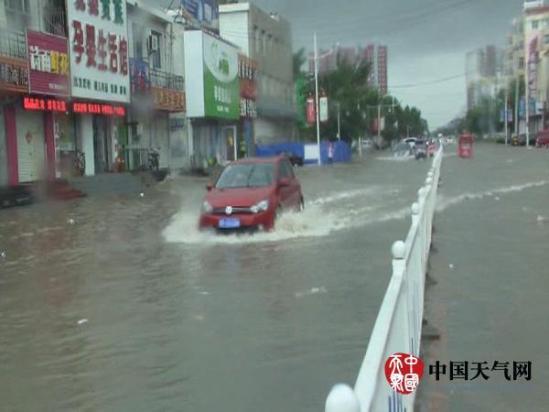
(484, 74)
(267, 40)
(88, 87)
(156, 117)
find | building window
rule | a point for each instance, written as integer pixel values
(17, 14)
(535, 24)
(546, 39)
(155, 48)
(263, 42)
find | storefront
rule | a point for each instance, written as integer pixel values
(100, 84)
(14, 77)
(213, 98)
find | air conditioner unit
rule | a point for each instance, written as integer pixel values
(152, 43)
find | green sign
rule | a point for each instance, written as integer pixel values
(221, 83)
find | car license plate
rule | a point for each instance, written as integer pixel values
(229, 223)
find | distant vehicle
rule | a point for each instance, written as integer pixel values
(519, 140)
(542, 139)
(250, 194)
(402, 150)
(411, 141)
(420, 149)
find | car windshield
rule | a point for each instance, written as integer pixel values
(246, 175)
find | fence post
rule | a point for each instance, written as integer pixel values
(415, 213)
(342, 399)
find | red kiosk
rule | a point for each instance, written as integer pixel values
(465, 145)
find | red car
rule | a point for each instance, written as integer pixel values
(542, 139)
(250, 194)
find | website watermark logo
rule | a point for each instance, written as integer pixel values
(404, 372)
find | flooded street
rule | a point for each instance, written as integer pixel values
(118, 303)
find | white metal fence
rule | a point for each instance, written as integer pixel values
(399, 321)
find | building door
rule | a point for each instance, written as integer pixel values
(231, 145)
(101, 144)
(31, 151)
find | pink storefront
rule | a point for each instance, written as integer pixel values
(34, 96)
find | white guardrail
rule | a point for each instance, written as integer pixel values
(399, 321)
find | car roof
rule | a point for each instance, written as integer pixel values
(259, 160)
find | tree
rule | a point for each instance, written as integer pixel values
(299, 60)
(357, 103)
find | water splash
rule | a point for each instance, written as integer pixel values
(322, 216)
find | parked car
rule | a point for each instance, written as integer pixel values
(250, 194)
(542, 139)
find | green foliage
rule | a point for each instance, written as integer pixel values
(349, 94)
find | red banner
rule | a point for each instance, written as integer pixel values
(48, 64)
(311, 112)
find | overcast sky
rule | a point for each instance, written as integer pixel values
(427, 40)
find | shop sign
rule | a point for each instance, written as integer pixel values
(323, 109)
(201, 13)
(167, 99)
(98, 108)
(44, 104)
(98, 37)
(48, 63)
(211, 70)
(14, 75)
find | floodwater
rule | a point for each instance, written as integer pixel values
(118, 303)
(492, 271)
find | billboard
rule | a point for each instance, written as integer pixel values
(98, 37)
(211, 68)
(48, 64)
(201, 13)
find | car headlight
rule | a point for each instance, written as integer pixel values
(262, 206)
(206, 207)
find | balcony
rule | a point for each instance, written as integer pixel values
(165, 80)
(156, 89)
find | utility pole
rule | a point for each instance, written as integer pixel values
(338, 121)
(505, 115)
(527, 99)
(316, 102)
(379, 121)
(517, 91)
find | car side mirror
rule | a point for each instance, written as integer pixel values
(284, 182)
(209, 186)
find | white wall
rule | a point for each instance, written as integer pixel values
(235, 28)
